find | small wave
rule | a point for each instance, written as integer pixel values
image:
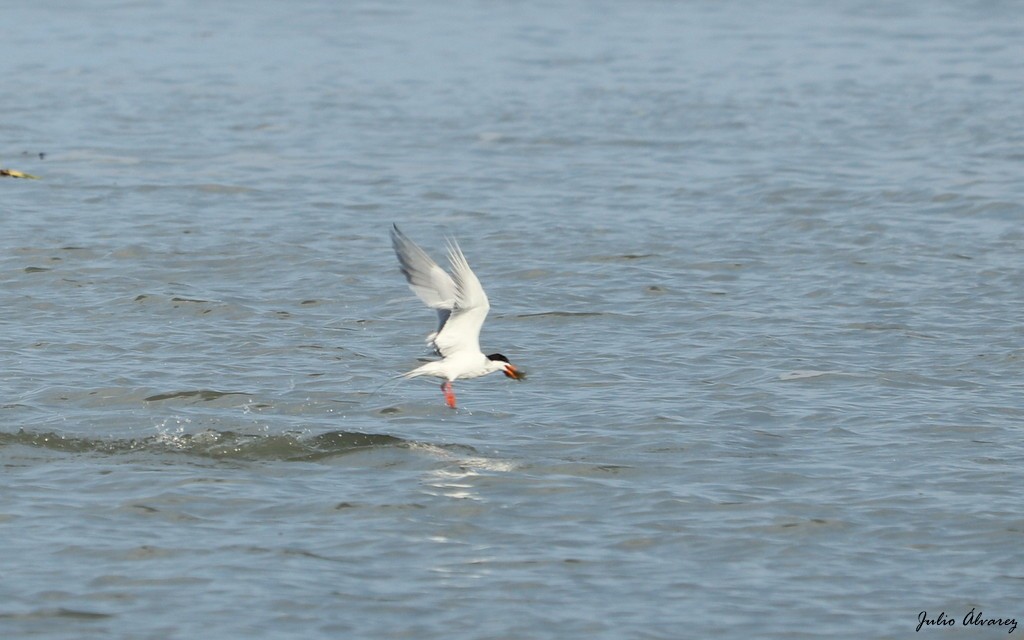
(230, 189)
(623, 256)
(59, 612)
(204, 395)
(563, 314)
(219, 445)
(803, 374)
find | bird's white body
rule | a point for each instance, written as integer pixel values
(459, 366)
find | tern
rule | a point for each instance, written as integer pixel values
(461, 306)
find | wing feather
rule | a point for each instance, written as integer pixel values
(427, 280)
(462, 330)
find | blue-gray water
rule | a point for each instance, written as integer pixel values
(763, 262)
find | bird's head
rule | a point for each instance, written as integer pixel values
(507, 367)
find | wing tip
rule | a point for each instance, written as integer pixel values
(455, 255)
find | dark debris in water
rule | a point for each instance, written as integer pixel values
(14, 173)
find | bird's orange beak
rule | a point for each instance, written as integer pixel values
(514, 373)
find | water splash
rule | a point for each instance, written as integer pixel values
(231, 445)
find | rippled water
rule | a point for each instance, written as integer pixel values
(762, 261)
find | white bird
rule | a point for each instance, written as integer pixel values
(461, 306)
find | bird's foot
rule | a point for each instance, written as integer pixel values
(449, 395)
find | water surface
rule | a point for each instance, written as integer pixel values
(762, 262)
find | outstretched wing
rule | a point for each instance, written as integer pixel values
(427, 280)
(462, 330)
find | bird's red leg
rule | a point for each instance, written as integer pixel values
(449, 395)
